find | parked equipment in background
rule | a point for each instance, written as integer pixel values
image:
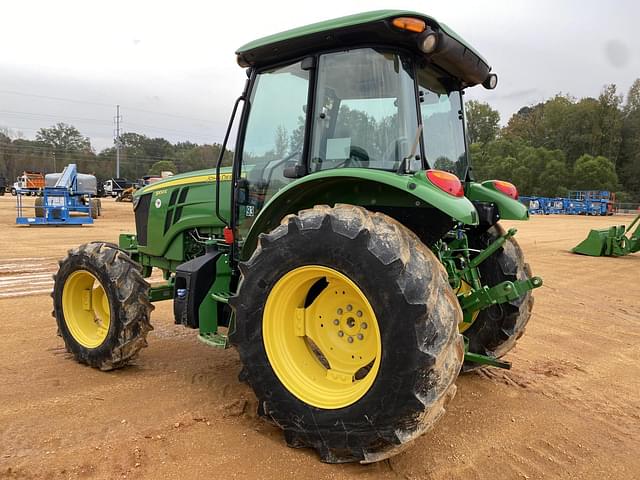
(3, 185)
(580, 202)
(65, 197)
(29, 183)
(596, 202)
(126, 195)
(114, 186)
(615, 241)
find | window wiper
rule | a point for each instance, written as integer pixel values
(402, 167)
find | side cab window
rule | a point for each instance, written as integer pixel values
(274, 136)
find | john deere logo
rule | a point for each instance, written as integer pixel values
(158, 203)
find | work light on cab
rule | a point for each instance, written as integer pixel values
(445, 181)
(490, 82)
(507, 188)
(428, 41)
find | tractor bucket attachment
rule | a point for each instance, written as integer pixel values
(610, 242)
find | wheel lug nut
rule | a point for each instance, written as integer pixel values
(363, 325)
(350, 339)
(341, 333)
(359, 313)
(336, 322)
(360, 336)
(339, 311)
(349, 308)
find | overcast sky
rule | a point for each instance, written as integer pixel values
(171, 65)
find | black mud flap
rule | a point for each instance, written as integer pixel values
(193, 280)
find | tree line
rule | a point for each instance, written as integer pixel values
(61, 144)
(562, 144)
(548, 149)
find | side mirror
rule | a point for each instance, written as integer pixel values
(294, 170)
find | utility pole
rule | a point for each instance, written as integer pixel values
(54, 161)
(117, 140)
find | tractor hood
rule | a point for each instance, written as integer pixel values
(190, 178)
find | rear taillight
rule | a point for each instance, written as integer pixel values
(445, 181)
(228, 235)
(507, 188)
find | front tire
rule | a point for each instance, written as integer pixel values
(497, 328)
(101, 306)
(366, 394)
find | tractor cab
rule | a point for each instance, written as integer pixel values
(380, 91)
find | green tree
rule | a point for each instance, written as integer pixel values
(158, 148)
(629, 162)
(534, 171)
(553, 179)
(162, 166)
(595, 173)
(576, 127)
(483, 122)
(610, 123)
(64, 138)
(526, 125)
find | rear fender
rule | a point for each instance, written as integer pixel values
(508, 208)
(374, 189)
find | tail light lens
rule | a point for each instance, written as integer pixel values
(447, 182)
(507, 188)
(410, 24)
(228, 235)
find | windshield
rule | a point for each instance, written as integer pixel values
(365, 111)
(443, 129)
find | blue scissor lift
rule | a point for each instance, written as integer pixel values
(59, 202)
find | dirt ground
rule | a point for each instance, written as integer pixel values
(569, 408)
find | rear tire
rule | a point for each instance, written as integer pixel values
(497, 328)
(95, 209)
(105, 288)
(416, 315)
(39, 204)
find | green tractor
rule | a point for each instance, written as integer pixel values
(347, 253)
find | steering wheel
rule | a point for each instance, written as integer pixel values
(358, 157)
(391, 150)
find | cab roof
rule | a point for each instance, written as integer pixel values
(454, 54)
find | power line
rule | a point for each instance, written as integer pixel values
(60, 99)
(46, 115)
(86, 102)
(186, 133)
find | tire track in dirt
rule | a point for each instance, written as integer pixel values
(614, 410)
(20, 277)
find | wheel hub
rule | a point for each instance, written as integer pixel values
(86, 308)
(329, 355)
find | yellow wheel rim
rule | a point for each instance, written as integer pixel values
(464, 289)
(86, 309)
(328, 353)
